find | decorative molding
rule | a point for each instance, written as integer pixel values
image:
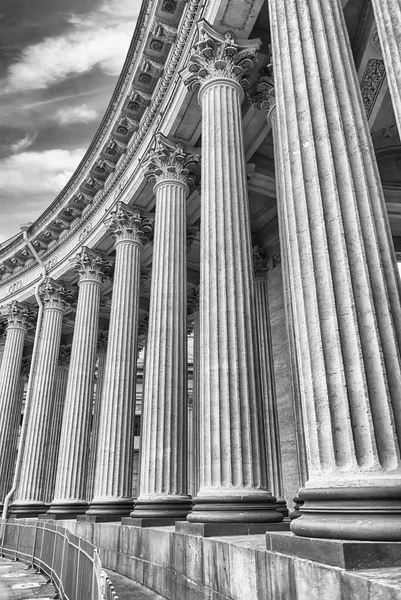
(260, 262)
(55, 295)
(18, 315)
(217, 56)
(167, 160)
(127, 223)
(372, 82)
(91, 265)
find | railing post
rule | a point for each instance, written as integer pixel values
(17, 543)
(77, 569)
(31, 566)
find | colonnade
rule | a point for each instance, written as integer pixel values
(343, 303)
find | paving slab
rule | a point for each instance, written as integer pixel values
(17, 582)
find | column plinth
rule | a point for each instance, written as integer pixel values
(31, 495)
(163, 492)
(233, 482)
(344, 283)
(19, 319)
(70, 487)
(112, 489)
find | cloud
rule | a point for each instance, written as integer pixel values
(75, 114)
(29, 173)
(23, 143)
(101, 39)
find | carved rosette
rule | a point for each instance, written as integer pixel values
(168, 161)
(260, 262)
(264, 96)
(91, 266)
(18, 316)
(55, 295)
(217, 56)
(126, 223)
(64, 356)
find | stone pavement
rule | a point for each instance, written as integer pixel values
(19, 583)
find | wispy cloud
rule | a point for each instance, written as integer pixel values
(23, 143)
(101, 39)
(36, 172)
(75, 114)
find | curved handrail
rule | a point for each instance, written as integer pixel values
(72, 563)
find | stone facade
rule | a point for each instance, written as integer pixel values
(244, 187)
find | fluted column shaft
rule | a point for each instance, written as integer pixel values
(388, 20)
(113, 473)
(195, 408)
(30, 497)
(233, 482)
(9, 385)
(70, 488)
(95, 422)
(163, 487)
(60, 387)
(272, 435)
(345, 296)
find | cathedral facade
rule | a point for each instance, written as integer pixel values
(241, 200)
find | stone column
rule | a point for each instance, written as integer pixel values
(194, 430)
(3, 333)
(264, 98)
(30, 499)
(163, 492)
(19, 319)
(388, 21)
(101, 364)
(70, 488)
(345, 296)
(60, 388)
(270, 417)
(233, 483)
(113, 472)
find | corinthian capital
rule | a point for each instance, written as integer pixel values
(127, 223)
(264, 96)
(55, 295)
(217, 56)
(18, 315)
(91, 265)
(166, 161)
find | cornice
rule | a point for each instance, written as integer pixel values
(113, 173)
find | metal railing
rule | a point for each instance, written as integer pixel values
(72, 563)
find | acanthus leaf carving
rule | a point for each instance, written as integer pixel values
(127, 223)
(91, 265)
(167, 160)
(217, 56)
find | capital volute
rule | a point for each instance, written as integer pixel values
(260, 262)
(64, 356)
(218, 56)
(264, 95)
(91, 265)
(102, 341)
(55, 295)
(168, 161)
(128, 223)
(18, 316)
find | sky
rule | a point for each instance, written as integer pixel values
(59, 64)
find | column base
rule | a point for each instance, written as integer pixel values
(113, 510)
(298, 502)
(99, 518)
(67, 511)
(133, 522)
(223, 529)
(27, 510)
(344, 554)
(363, 513)
(175, 509)
(281, 507)
(235, 509)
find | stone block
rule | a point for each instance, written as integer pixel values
(223, 529)
(337, 553)
(153, 522)
(216, 565)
